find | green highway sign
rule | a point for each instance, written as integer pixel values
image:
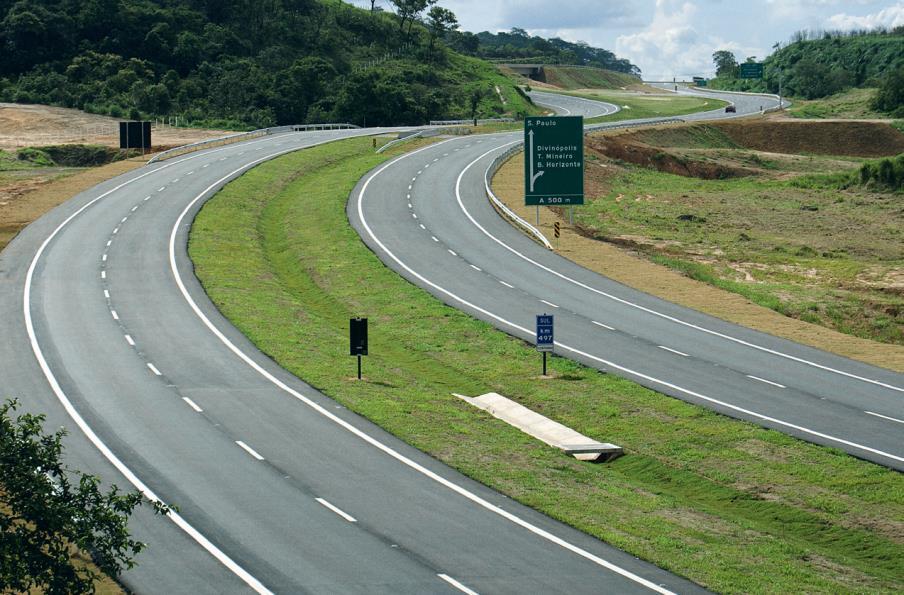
(554, 160)
(751, 70)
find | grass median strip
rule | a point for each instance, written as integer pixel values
(730, 505)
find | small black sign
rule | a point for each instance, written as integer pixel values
(357, 333)
(134, 135)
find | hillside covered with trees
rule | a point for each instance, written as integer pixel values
(246, 63)
(813, 66)
(518, 45)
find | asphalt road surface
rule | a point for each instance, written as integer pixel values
(426, 216)
(279, 489)
(565, 105)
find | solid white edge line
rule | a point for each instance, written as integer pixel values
(337, 510)
(452, 486)
(649, 310)
(758, 379)
(605, 326)
(249, 450)
(73, 413)
(457, 584)
(900, 421)
(349, 427)
(193, 405)
(682, 354)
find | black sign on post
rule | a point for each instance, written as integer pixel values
(357, 335)
(135, 135)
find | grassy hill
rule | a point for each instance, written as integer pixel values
(571, 77)
(237, 63)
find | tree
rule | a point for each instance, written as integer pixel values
(409, 10)
(46, 509)
(726, 64)
(475, 95)
(889, 97)
(440, 21)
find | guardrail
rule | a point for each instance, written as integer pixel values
(234, 138)
(460, 122)
(401, 140)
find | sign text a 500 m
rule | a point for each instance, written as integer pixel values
(554, 160)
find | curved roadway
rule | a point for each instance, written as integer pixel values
(566, 105)
(426, 216)
(279, 489)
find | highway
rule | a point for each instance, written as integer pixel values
(426, 216)
(278, 488)
(565, 105)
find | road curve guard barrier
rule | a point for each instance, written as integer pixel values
(241, 136)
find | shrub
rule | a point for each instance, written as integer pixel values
(36, 156)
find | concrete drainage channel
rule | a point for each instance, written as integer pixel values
(544, 429)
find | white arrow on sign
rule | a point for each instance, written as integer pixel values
(533, 176)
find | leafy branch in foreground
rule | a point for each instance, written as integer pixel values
(47, 509)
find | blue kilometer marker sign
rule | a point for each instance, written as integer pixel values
(545, 340)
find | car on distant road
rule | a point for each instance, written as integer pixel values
(730, 109)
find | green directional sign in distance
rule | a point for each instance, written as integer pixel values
(554, 161)
(751, 70)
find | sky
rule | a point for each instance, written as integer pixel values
(667, 38)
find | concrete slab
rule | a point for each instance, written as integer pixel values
(544, 429)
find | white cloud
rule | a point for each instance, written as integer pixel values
(890, 17)
(673, 45)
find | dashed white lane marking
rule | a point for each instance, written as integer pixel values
(154, 369)
(434, 238)
(193, 405)
(191, 173)
(130, 340)
(408, 197)
(107, 293)
(435, 160)
(673, 350)
(414, 179)
(147, 198)
(549, 304)
(205, 165)
(104, 258)
(409, 186)
(115, 315)
(341, 513)
(426, 166)
(900, 421)
(249, 450)
(109, 242)
(757, 378)
(161, 189)
(414, 215)
(605, 326)
(409, 206)
(457, 584)
(176, 181)
(116, 231)
(452, 252)
(509, 285)
(476, 268)
(419, 172)
(103, 274)
(124, 219)
(422, 226)
(445, 154)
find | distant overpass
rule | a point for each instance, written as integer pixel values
(534, 72)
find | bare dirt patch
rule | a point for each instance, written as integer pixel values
(22, 202)
(23, 125)
(868, 138)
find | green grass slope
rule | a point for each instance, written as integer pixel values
(571, 77)
(731, 505)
